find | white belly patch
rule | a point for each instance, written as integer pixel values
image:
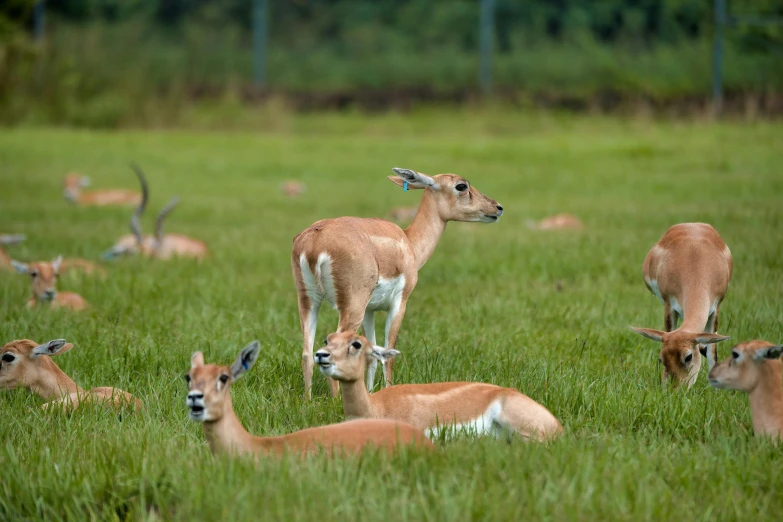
(387, 294)
(486, 424)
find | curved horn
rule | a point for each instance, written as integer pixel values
(145, 193)
(161, 216)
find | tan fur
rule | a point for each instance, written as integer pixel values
(558, 222)
(225, 433)
(757, 371)
(40, 374)
(692, 266)
(72, 188)
(365, 250)
(425, 406)
(43, 278)
(158, 246)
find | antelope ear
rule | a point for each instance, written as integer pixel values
(710, 338)
(413, 179)
(22, 268)
(655, 335)
(56, 264)
(52, 348)
(769, 352)
(383, 354)
(196, 360)
(246, 358)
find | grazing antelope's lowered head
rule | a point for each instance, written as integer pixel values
(43, 277)
(22, 364)
(344, 356)
(681, 352)
(73, 185)
(209, 385)
(456, 199)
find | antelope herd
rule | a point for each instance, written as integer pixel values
(361, 266)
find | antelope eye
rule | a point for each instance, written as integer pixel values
(356, 344)
(9, 357)
(688, 358)
(187, 378)
(461, 187)
(735, 355)
(224, 378)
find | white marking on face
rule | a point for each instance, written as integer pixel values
(486, 424)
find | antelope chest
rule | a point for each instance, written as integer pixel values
(387, 294)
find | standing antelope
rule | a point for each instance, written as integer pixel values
(26, 364)
(8, 239)
(364, 265)
(72, 190)
(478, 407)
(43, 277)
(755, 368)
(160, 246)
(209, 402)
(689, 270)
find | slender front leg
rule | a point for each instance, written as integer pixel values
(669, 317)
(368, 325)
(711, 350)
(393, 323)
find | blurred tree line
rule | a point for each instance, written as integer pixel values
(108, 57)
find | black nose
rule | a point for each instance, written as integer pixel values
(321, 355)
(499, 207)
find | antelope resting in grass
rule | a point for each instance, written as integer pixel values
(557, 222)
(293, 189)
(689, 270)
(755, 368)
(209, 402)
(26, 364)
(43, 277)
(364, 265)
(8, 239)
(72, 190)
(160, 246)
(476, 407)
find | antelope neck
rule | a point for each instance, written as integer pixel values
(766, 402)
(227, 435)
(356, 400)
(53, 382)
(426, 228)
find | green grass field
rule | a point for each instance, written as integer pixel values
(544, 312)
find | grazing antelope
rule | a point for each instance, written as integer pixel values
(364, 265)
(755, 368)
(43, 277)
(402, 214)
(26, 364)
(160, 246)
(481, 408)
(8, 239)
(72, 190)
(689, 270)
(209, 402)
(557, 222)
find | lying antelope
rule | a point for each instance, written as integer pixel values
(43, 276)
(160, 246)
(557, 222)
(209, 402)
(75, 264)
(293, 189)
(364, 265)
(477, 407)
(402, 214)
(8, 239)
(689, 270)
(26, 364)
(755, 368)
(72, 190)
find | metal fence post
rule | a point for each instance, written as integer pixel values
(486, 45)
(260, 24)
(717, 57)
